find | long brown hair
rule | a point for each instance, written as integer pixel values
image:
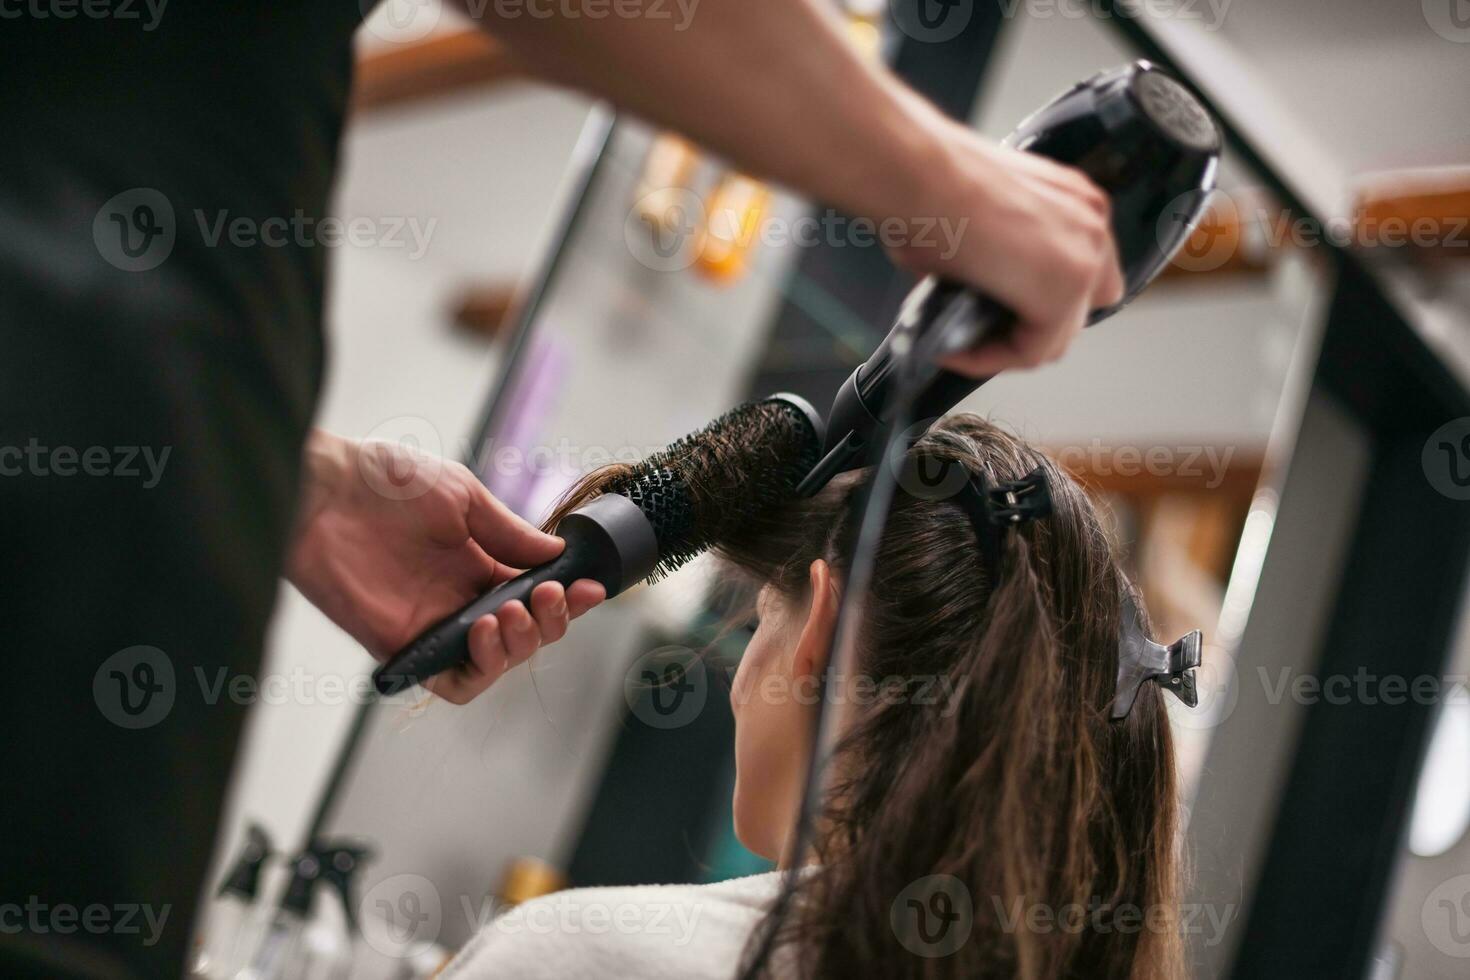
(1059, 825)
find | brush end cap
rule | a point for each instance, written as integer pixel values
(814, 417)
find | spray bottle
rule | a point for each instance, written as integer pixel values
(291, 948)
(232, 923)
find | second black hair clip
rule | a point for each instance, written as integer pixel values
(1141, 660)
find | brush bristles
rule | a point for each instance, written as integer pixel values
(729, 475)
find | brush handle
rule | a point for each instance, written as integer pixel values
(609, 541)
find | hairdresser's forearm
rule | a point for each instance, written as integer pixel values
(741, 77)
(774, 86)
(325, 464)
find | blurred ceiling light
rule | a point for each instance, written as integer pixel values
(1442, 803)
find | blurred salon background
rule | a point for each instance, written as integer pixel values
(571, 288)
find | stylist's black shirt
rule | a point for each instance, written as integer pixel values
(158, 373)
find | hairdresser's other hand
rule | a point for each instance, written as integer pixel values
(390, 540)
(1028, 232)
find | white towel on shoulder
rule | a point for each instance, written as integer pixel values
(645, 932)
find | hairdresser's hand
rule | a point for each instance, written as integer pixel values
(390, 540)
(1027, 232)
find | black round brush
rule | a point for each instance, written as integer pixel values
(648, 520)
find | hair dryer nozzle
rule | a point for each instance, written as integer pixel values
(1150, 144)
(1146, 141)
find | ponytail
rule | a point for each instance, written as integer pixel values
(1012, 803)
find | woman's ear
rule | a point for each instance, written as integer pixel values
(815, 643)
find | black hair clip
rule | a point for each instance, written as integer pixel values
(1141, 659)
(992, 509)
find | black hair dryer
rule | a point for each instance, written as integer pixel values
(1146, 141)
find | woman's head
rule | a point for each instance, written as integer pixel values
(976, 742)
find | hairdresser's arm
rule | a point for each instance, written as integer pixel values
(774, 86)
(391, 540)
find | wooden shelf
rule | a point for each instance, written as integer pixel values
(441, 66)
(1244, 235)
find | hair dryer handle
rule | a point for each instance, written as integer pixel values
(957, 318)
(938, 317)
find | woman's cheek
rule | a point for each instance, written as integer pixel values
(737, 688)
(752, 668)
(745, 677)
